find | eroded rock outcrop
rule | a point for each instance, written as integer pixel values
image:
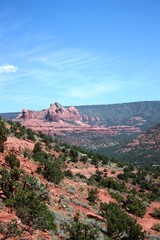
(60, 120)
(137, 120)
(56, 112)
(146, 145)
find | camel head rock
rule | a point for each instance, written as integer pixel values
(56, 113)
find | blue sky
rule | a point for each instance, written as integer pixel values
(78, 52)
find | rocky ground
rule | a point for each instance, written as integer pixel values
(68, 197)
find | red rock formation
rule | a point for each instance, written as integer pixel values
(56, 112)
(137, 120)
(96, 216)
(60, 120)
(146, 145)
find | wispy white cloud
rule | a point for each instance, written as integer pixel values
(47, 72)
(72, 73)
(90, 90)
(8, 69)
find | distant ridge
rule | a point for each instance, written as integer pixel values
(145, 147)
(105, 128)
(120, 113)
(117, 113)
(9, 115)
(59, 120)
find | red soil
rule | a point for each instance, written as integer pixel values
(18, 145)
(80, 192)
(148, 221)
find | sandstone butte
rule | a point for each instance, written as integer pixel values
(59, 120)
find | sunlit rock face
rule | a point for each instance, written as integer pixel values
(26, 114)
(56, 112)
(61, 120)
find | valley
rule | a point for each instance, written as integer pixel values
(114, 130)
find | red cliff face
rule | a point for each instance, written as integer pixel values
(60, 120)
(56, 112)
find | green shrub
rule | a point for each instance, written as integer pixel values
(52, 169)
(112, 184)
(95, 161)
(40, 156)
(32, 211)
(30, 134)
(156, 227)
(74, 160)
(92, 195)
(80, 175)
(120, 225)
(12, 160)
(73, 152)
(156, 213)
(129, 168)
(32, 184)
(57, 148)
(25, 194)
(135, 206)
(68, 173)
(15, 173)
(78, 230)
(3, 135)
(20, 131)
(7, 183)
(37, 147)
(47, 139)
(156, 192)
(27, 153)
(83, 158)
(10, 229)
(49, 167)
(116, 196)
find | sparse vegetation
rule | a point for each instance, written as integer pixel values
(65, 191)
(120, 225)
(108, 182)
(92, 195)
(78, 230)
(25, 196)
(31, 210)
(30, 134)
(10, 229)
(135, 206)
(12, 160)
(3, 135)
(117, 196)
(156, 227)
(156, 213)
(52, 170)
